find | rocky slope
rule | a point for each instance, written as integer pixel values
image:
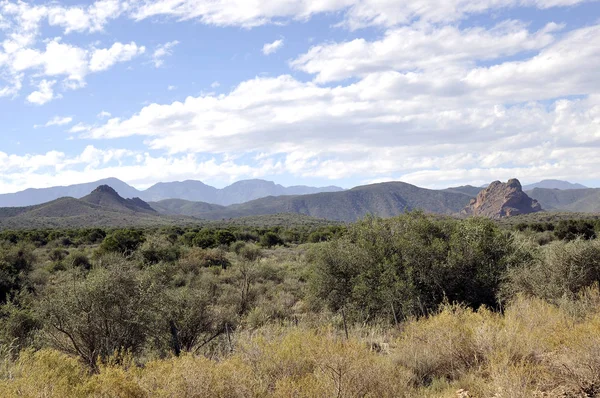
(501, 200)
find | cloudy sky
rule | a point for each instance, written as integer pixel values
(319, 92)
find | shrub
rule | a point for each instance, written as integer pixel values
(270, 239)
(110, 311)
(125, 242)
(561, 269)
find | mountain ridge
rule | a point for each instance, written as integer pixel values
(192, 190)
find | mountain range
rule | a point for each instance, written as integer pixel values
(104, 206)
(196, 191)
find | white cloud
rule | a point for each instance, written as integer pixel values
(356, 13)
(421, 48)
(103, 59)
(270, 48)
(44, 94)
(215, 84)
(163, 51)
(104, 114)
(171, 88)
(79, 128)
(56, 121)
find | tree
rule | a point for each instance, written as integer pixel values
(109, 312)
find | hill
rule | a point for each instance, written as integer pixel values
(107, 198)
(501, 200)
(384, 200)
(553, 184)
(575, 200)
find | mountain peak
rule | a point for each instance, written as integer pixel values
(106, 196)
(501, 200)
(105, 189)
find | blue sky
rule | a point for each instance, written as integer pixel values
(328, 92)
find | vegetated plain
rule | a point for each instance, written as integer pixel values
(415, 305)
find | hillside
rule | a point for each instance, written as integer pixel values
(384, 200)
(576, 200)
(180, 207)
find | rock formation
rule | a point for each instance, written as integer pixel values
(500, 200)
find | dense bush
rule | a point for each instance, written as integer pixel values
(125, 242)
(409, 265)
(572, 229)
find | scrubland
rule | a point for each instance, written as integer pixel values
(412, 306)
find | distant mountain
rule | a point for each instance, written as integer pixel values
(384, 200)
(191, 190)
(574, 200)
(466, 189)
(32, 196)
(196, 191)
(501, 200)
(239, 192)
(553, 184)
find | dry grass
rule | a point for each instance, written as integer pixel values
(533, 349)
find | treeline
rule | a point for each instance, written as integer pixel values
(131, 297)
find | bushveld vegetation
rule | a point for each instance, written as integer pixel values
(414, 306)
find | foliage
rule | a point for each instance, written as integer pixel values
(125, 242)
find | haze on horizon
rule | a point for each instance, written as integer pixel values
(337, 92)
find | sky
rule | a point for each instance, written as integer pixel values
(314, 92)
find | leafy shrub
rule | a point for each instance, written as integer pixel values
(125, 242)
(270, 239)
(205, 239)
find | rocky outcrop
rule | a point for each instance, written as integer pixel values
(500, 200)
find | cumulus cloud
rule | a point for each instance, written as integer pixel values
(24, 52)
(103, 59)
(415, 119)
(44, 94)
(270, 48)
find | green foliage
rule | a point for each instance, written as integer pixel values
(205, 239)
(572, 229)
(124, 242)
(15, 263)
(270, 239)
(410, 264)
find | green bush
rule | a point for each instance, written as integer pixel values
(270, 239)
(125, 242)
